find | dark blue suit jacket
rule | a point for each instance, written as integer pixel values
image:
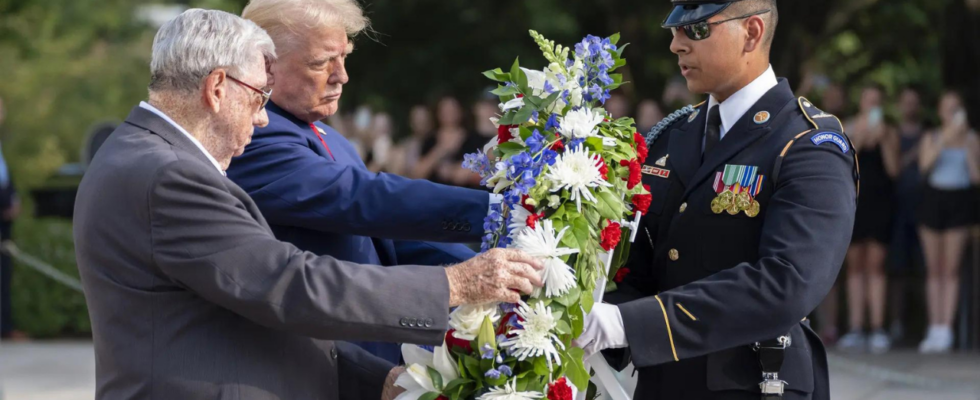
(332, 204)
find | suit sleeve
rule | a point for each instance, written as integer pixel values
(428, 253)
(204, 239)
(306, 190)
(806, 232)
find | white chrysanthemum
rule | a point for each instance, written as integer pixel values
(580, 124)
(535, 339)
(542, 243)
(416, 380)
(509, 392)
(518, 220)
(577, 171)
(467, 319)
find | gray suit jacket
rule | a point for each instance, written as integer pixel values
(191, 296)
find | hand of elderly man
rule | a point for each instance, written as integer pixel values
(499, 275)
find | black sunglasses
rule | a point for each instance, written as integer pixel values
(702, 30)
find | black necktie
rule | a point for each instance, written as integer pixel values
(712, 133)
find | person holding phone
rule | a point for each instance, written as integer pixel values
(949, 163)
(878, 150)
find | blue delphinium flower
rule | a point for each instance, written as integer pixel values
(548, 87)
(486, 352)
(605, 78)
(517, 164)
(505, 370)
(552, 125)
(534, 116)
(478, 163)
(535, 142)
(575, 143)
(526, 182)
(492, 374)
(549, 156)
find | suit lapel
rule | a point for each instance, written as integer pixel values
(744, 133)
(684, 147)
(146, 119)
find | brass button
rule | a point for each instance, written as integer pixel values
(683, 207)
(674, 254)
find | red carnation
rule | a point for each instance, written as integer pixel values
(610, 236)
(526, 206)
(635, 173)
(641, 202)
(621, 274)
(441, 397)
(532, 220)
(641, 147)
(453, 341)
(520, 96)
(558, 145)
(559, 390)
(503, 133)
(603, 169)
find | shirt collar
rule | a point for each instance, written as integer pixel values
(736, 106)
(147, 106)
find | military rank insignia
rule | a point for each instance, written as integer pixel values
(737, 187)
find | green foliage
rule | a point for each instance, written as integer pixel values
(43, 307)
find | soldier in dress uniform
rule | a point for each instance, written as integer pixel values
(754, 195)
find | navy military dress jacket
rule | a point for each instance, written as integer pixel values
(705, 286)
(319, 196)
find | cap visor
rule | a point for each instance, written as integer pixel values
(690, 14)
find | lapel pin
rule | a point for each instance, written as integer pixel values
(693, 116)
(662, 162)
(761, 117)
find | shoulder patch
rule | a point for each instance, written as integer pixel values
(818, 118)
(667, 122)
(832, 137)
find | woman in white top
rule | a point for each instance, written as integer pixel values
(949, 162)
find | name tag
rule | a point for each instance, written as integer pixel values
(660, 172)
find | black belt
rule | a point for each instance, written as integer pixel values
(771, 355)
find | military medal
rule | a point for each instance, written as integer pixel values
(754, 207)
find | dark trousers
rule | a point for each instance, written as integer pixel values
(6, 274)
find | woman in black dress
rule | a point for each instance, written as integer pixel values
(878, 150)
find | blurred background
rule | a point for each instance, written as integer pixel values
(894, 71)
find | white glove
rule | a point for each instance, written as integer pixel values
(603, 330)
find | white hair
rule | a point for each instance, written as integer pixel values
(189, 47)
(287, 20)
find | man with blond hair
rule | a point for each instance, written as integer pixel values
(190, 295)
(310, 182)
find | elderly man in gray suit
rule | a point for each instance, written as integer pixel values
(191, 296)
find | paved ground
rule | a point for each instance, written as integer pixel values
(66, 371)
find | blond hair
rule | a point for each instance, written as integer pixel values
(286, 20)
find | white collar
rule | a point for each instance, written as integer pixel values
(147, 106)
(736, 106)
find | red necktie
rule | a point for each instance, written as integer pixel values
(317, 133)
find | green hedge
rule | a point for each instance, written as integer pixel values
(43, 307)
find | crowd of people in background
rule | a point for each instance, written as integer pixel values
(917, 205)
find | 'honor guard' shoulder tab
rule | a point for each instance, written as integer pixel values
(667, 122)
(819, 119)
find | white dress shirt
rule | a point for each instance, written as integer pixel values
(735, 107)
(146, 106)
(732, 110)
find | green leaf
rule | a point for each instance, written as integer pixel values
(507, 118)
(429, 396)
(515, 69)
(453, 384)
(610, 205)
(495, 75)
(486, 337)
(541, 366)
(505, 91)
(563, 328)
(511, 148)
(614, 38)
(575, 370)
(435, 376)
(570, 298)
(587, 301)
(578, 320)
(617, 78)
(523, 115)
(595, 143)
(547, 102)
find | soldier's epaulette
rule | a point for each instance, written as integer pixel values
(818, 118)
(667, 122)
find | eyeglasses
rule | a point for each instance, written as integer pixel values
(702, 30)
(265, 95)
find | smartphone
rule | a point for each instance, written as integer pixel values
(959, 118)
